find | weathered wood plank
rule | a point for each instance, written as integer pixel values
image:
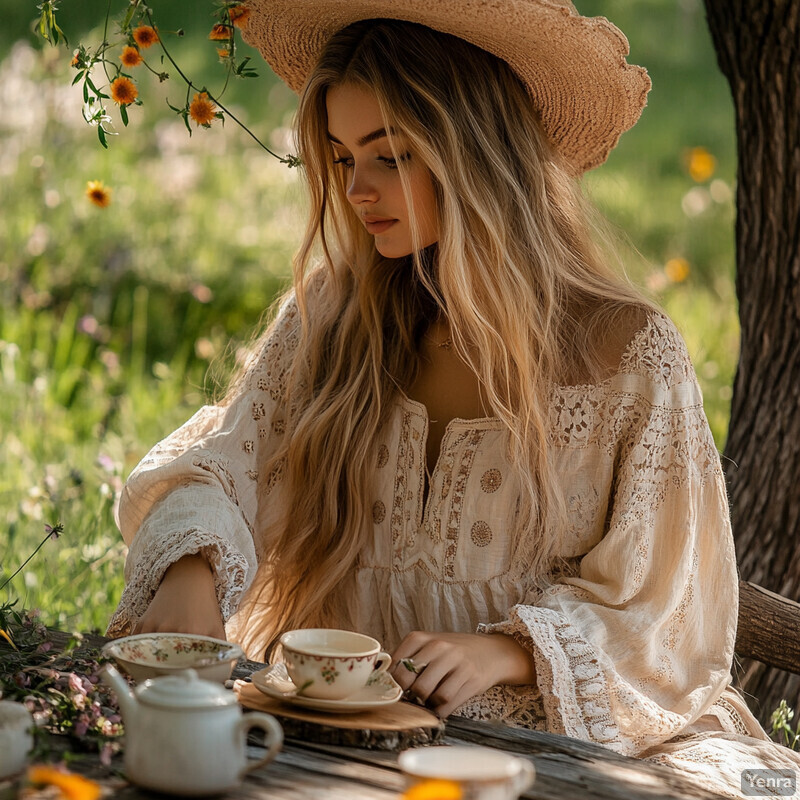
(573, 768)
(769, 627)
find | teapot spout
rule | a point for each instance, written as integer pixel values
(129, 705)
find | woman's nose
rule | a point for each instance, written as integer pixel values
(361, 189)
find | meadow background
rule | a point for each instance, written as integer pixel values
(110, 318)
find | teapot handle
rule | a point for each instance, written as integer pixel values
(274, 738)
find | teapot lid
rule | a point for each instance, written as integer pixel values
(184, 690)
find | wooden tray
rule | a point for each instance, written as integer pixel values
(393, 727)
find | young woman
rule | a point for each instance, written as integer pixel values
(463, 434)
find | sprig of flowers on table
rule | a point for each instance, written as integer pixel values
(130, 49)
(62, 690)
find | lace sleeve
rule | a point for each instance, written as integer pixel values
(637, 643)
(196, 491)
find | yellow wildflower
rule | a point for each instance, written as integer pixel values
(145, 36)
(98, 193)
(677, 269)
(130, 57)
(202, 110)
(701, 164)
(123, 91)
(8, 638)
(73, 787)
(434, 790)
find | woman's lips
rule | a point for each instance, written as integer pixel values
(378, 225)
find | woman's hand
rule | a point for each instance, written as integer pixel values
(185, 602)
(453, 667)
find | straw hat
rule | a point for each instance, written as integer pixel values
(574, 67)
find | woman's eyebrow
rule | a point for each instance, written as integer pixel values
(364, 140)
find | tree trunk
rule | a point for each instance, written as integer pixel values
(758, 47)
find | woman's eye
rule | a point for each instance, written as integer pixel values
(391, 163)
(347, 162)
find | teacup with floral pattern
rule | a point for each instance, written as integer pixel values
(147, 655)
(331, 664)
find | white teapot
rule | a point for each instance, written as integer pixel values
(187, 736)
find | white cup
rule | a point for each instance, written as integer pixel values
(329, 663)
(16, 737)
(480, 772)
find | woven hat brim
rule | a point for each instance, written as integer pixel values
(574, 67)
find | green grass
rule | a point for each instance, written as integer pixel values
(109, 318)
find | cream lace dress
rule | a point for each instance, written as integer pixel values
(632, 640)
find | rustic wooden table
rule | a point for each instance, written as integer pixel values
(566, 769)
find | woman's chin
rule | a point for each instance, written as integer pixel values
(397, 250)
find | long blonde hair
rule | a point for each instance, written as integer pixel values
(516, 273)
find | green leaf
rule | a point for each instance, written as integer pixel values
(101, 135)
(85, 92)
(129, 17)
(123, 112)
(77, 78)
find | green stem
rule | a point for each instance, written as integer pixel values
(211, 97)
(105, 39)
(41, 545)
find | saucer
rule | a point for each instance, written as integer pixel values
(274, 681)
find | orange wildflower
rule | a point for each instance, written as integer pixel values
(202, 110)
(130, 56)
(73, 787)
(434, 789)
(75, 60)
(145, 36)
(223, 52)
(239, 16)
(701, 164)
(98, 193)
(220, 33)
(123, 91)
(677, 269)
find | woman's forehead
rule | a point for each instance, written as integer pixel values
(354, 116)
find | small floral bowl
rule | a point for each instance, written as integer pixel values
(147, 655)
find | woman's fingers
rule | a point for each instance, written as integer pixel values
(454, 691)
(445, 670)
(429, 680)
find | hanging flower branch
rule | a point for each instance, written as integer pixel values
(128, 51)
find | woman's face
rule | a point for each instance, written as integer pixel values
(361, 148)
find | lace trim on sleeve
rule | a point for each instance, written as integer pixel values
(185, 523)
(230, 570)
(580, 695)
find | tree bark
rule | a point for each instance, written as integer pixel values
(758, 48)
